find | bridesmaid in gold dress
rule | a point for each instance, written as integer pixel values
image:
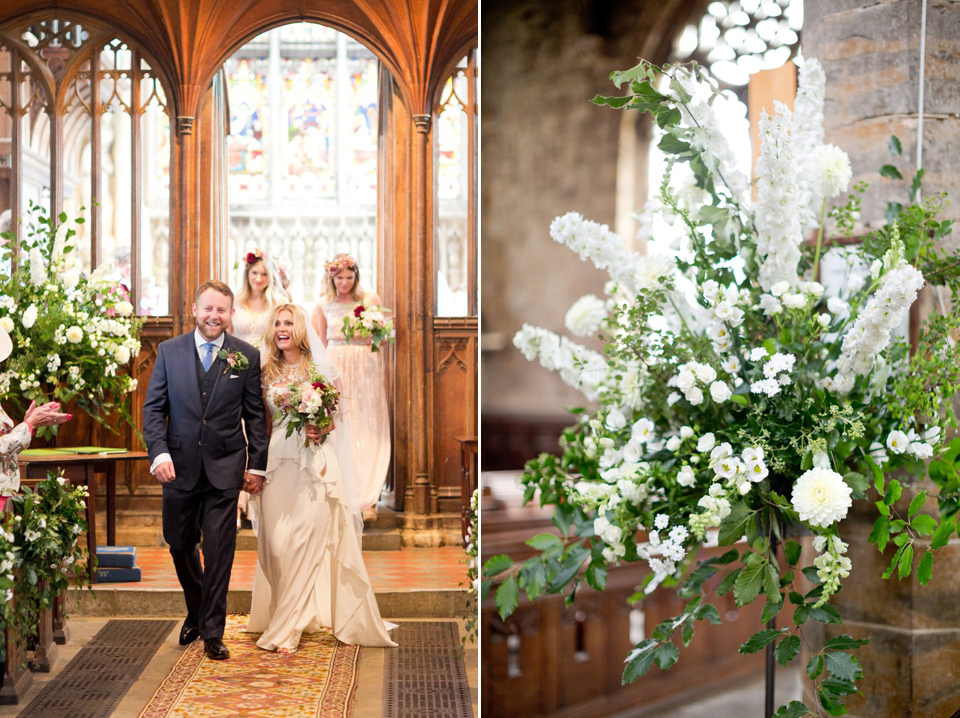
(364, 397)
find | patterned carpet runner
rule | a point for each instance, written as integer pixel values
(424, 675)
(101, 673)
(318, 681)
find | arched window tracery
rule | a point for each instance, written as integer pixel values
(85, 130)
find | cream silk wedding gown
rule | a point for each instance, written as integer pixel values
(310, 571)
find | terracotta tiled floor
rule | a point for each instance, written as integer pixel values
(408, 568)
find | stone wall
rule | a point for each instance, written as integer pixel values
(547, 151)
(870, 52)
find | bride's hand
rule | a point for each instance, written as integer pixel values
(315, 434)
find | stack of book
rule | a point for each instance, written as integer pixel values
(117, 564)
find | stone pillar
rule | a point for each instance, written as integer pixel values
(870, 52)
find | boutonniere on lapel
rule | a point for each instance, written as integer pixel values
(237, 361)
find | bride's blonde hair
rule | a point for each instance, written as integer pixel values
(274, 366)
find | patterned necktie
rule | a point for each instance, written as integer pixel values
(208, 356)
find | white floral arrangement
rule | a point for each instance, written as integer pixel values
(738, 397)
(74, 335)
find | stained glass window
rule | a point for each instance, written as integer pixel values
(302, 152)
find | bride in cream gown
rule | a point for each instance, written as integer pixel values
(310, 572)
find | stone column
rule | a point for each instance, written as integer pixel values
(871, 53)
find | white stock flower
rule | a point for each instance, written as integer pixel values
(29, 316)
(821, 497)
(584, 317)
(833, 170)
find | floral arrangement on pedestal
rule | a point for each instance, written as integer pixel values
(738, 397)
(369, 323)
(40, 554)
(74, 335)
(471, 615)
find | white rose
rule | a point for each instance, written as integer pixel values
(694, 396)
(121, 354)
(706, 443)
(686, 477)
(720, 392)
(673, 443)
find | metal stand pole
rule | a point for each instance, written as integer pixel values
(770, 677)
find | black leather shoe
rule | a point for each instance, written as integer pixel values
(215, 649)
(189, 631)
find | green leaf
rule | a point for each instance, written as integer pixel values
(844, 642)
(881, 532)
(597, 577)
(497, 564)
(858, 484)
(890, 172)
(917, 503)
(639, 661)
(506, 598)
(815, 666)
(771, 583)
(761, 639)
(535, 580)
(791, 550)
(795, 709)
(541, 542)
(671, 145)
(925, 568)
(894, 491)
(843, 665)
(787, 650)
(942, 535)
(614, 101)
(669, 117)
(827, 613)
(894, 146)
(923, 524)
(748, 583)
(739, 399)
(906, 561)
(770, 611)
(727, 582)
(687, 634)
(893, 563)
(708, 612)
(637, 73)
(916, 184)
(733, 527)
(666, 655)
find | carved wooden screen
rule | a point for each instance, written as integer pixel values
(85, 130)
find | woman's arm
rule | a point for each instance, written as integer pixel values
(319, 321)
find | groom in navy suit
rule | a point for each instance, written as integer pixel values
(203, 383)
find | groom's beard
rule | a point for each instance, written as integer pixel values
(209, 332)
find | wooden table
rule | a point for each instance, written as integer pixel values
(83, 469)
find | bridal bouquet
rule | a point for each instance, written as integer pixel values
(369, 322)
(308, 403)
(741, 398)
(75, 334)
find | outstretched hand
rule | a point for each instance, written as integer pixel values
(46, 415)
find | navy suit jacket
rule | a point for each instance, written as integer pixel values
(174, 421)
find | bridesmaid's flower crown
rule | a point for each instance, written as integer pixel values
(255, 256)
(335, 266)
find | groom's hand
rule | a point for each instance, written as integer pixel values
(165, 472)
(252, 483)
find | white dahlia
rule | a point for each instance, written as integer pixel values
(821, 497)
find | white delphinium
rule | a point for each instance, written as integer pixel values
(833, 171)
(779, 232)
(581, 368)
(870, 333)
(584, 317)
(821, 497)
(596, 242)
(831, 565)
(807, 132)
(38, 270)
